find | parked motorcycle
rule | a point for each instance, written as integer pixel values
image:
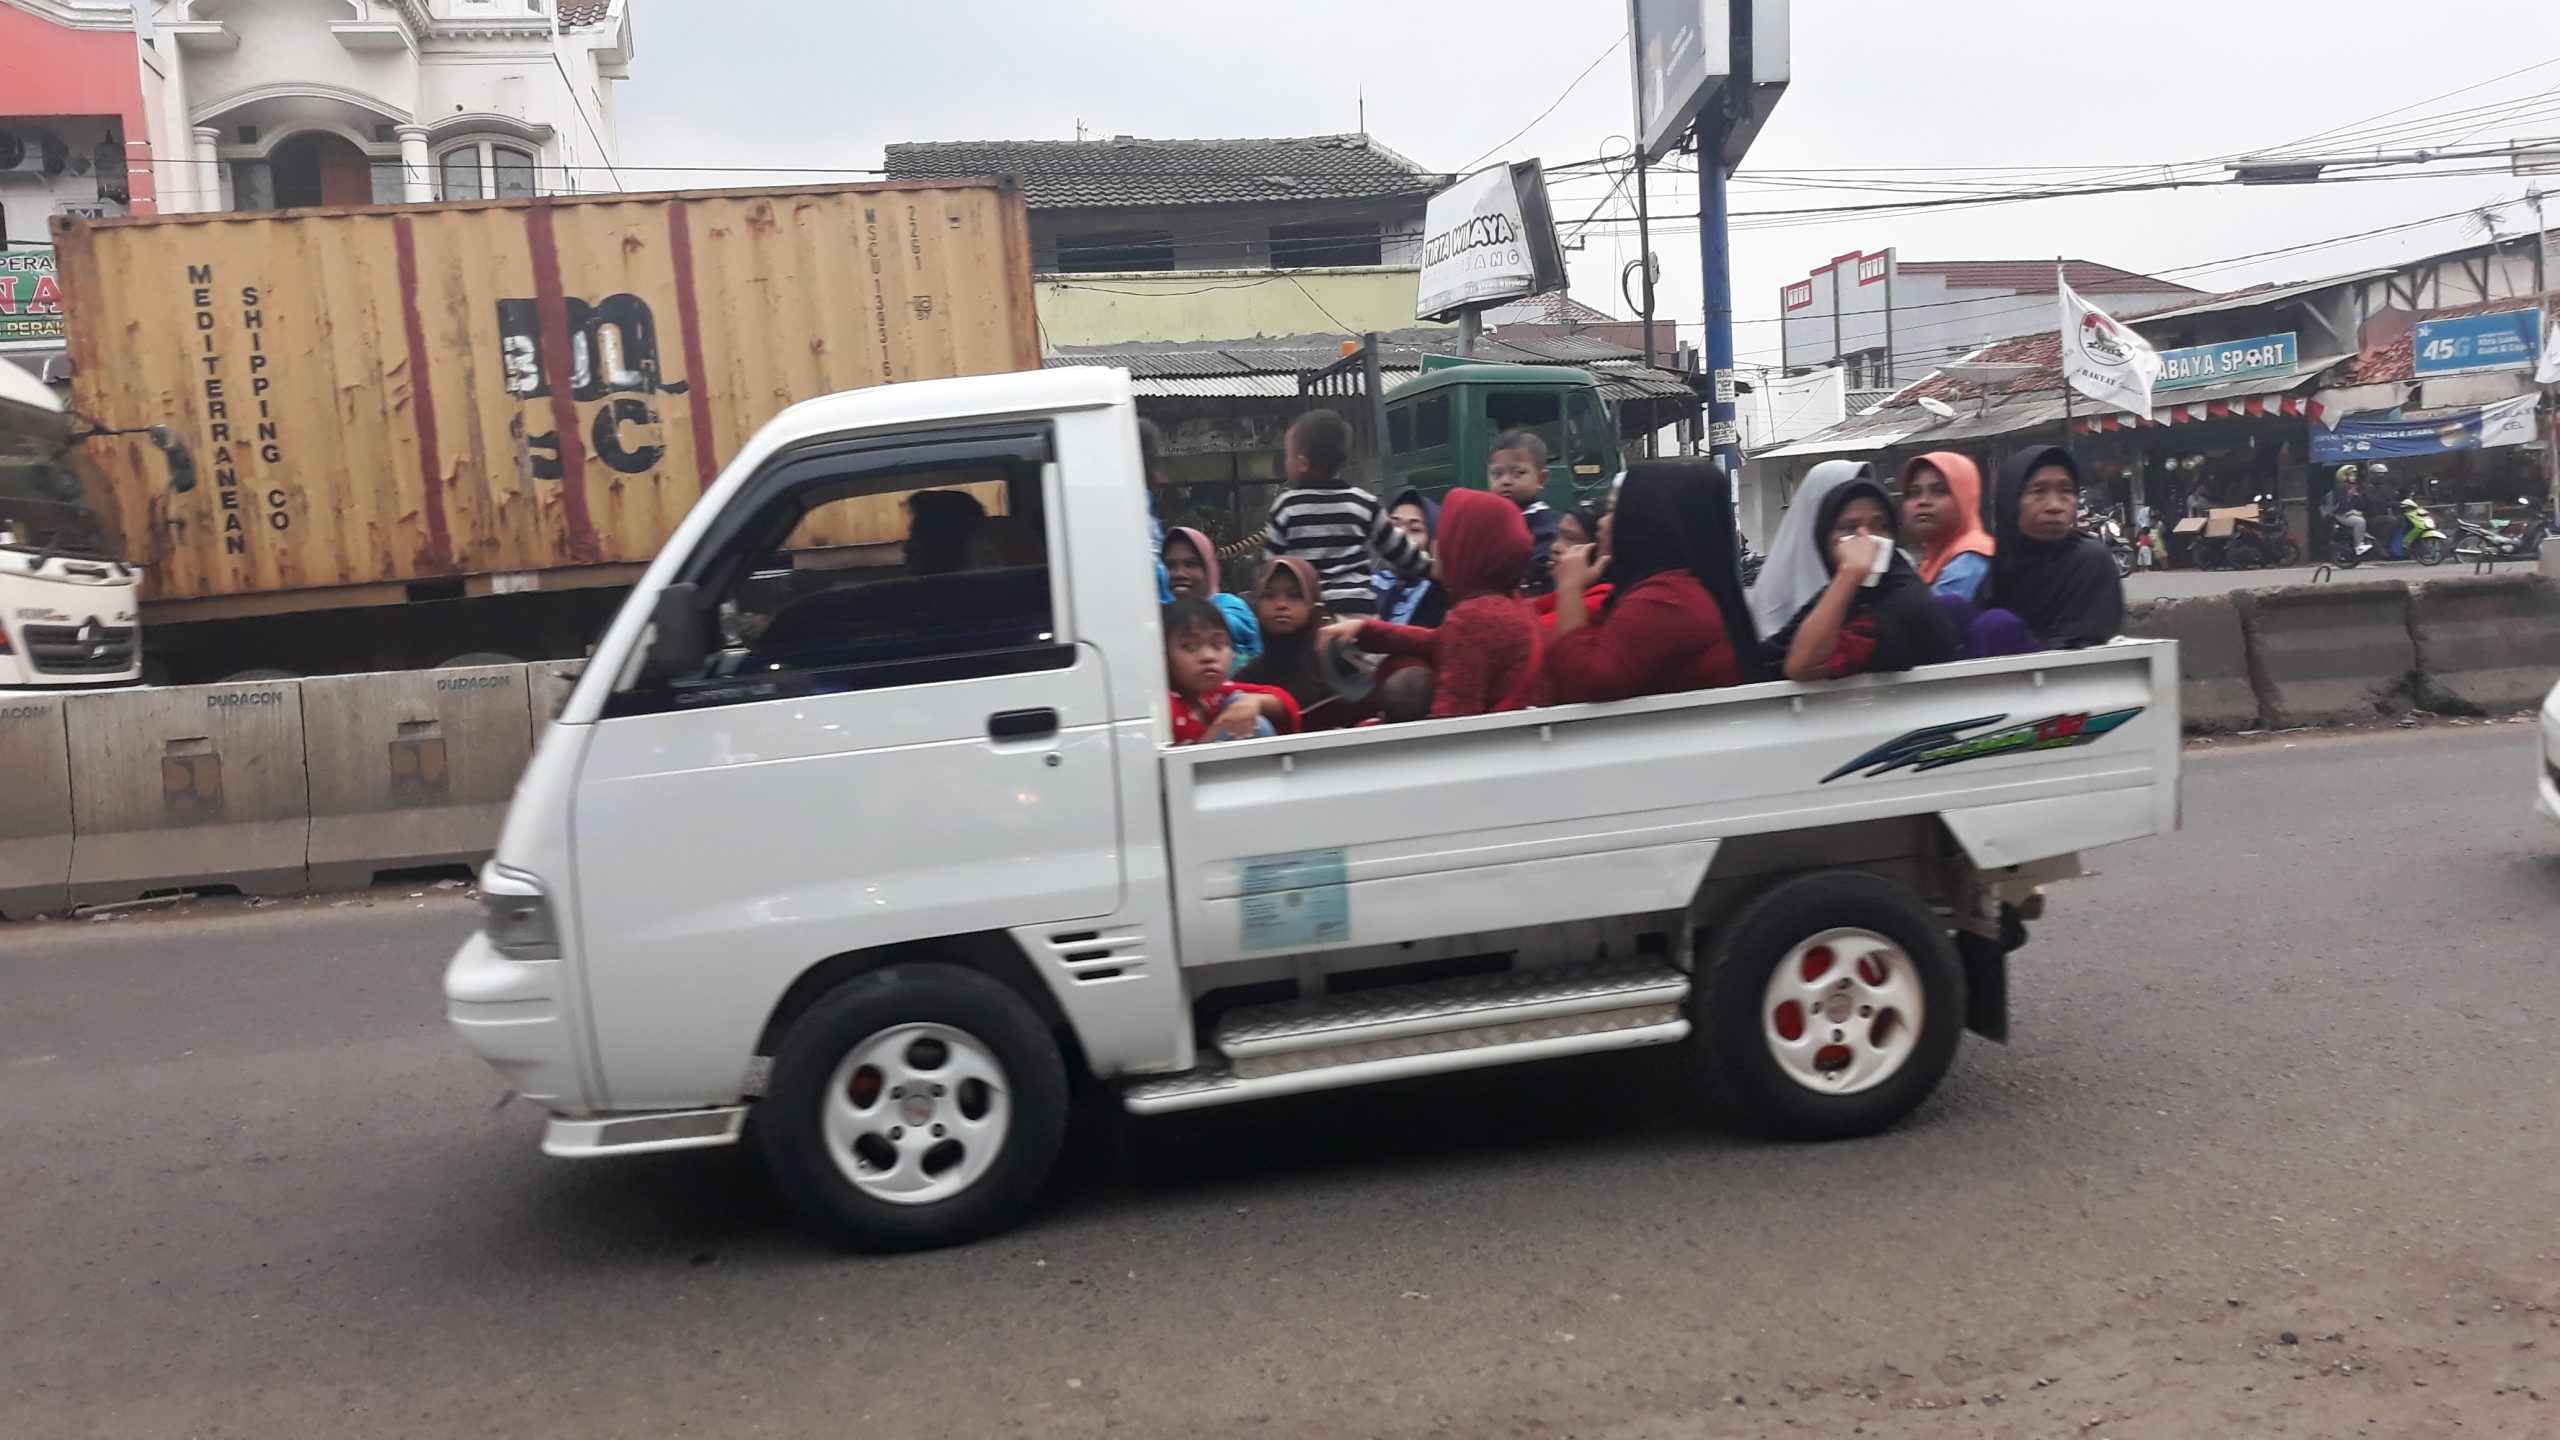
(2262, 541)
(2105, 526)
(1752, 560)
(2503, 539)
(2420, 539)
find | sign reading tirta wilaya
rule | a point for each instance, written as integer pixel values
(2259, 356)
(30, 296)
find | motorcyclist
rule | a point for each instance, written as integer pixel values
(2381, 503)
(2348, 505)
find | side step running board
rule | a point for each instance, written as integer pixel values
(1338, 1040)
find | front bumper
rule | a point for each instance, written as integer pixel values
(513, 1015)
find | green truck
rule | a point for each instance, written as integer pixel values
(1440, 423)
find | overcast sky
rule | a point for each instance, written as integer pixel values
(1878, 83)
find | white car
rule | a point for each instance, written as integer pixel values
(2547, 782)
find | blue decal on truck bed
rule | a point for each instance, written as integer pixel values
(1937, 746)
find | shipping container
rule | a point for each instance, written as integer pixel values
(426, 402)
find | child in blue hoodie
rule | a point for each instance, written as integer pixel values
(1516, 470)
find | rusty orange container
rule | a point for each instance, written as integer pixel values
(380, 396)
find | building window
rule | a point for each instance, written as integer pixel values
(487, 170)
(459, 175)
(514, 171)
(1300, 247)
(1127, 250)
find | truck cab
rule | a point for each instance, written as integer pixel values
(866, 817)
(1440, 424)
(67, 605)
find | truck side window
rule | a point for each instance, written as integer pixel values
(1431, 423)
(1400, 431)
(855, 581)
(1587, 423)
(1538, 410)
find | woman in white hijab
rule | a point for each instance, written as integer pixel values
(1794, 573)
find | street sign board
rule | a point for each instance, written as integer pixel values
(2269, 355)
(2500, 340)
(30, 296)
(1683, 50)
(1489, 238)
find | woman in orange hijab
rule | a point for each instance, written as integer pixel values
(1942, 511)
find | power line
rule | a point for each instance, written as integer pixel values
(1551, 107)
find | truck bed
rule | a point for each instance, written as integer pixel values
(1406, 833)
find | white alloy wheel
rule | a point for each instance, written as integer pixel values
(1843, 1011)
(917, 1113)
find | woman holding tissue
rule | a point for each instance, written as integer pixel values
(1864, 609)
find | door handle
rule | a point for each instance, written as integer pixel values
(1022, 724)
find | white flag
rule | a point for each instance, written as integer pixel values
(2102, 359)
(2548, 372)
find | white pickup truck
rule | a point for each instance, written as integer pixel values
(873, 831)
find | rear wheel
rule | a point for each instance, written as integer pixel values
(917, 1106)
(1828, 1007)
(2343, 552)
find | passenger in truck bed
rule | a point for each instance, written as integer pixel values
(1484, 653)
(1676, 618)
(1858, 619)
(2052, 586)
(1288, 603)
(1207, 704)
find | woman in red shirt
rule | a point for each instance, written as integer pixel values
(1484, 652)
(1676, 618)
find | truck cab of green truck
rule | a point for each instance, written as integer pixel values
(1440, 424)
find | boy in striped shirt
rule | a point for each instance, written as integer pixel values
(1339, 528)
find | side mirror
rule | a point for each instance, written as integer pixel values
(182, 466)
(678, 640)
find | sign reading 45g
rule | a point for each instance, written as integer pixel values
(2502, 340)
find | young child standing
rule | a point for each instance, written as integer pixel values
(1207, 705)
(1335, 526)
(1516, 470)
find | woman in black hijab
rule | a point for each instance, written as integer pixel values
(2048, 580)
(1676, 618)
(1860, 620)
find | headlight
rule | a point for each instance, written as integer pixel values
(515, 914)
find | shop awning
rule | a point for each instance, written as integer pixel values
(2239, 400)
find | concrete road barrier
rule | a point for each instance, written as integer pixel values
(2214, 689)
(35, 824)
(196, 786)
(552, 681)
(2487, 645)
(2329, 654)
(411, 769)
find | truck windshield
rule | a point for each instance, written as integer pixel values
(41, 503)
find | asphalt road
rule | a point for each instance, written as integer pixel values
(2275, 1152)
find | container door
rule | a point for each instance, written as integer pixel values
(898, 739)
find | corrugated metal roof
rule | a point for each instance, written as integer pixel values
(1128, 172)
(2035, 277)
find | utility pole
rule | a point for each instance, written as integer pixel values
(1724, 436)
(1644, 216)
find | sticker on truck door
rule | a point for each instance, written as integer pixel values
(1939, 746)
(1295, 901)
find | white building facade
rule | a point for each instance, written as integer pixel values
(278, 104)
(1888, 322)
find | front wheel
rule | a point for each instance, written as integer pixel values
(917, 1106)
(2288, 554)
(2243, 556)
(1829, 1006)
(2429, 550)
